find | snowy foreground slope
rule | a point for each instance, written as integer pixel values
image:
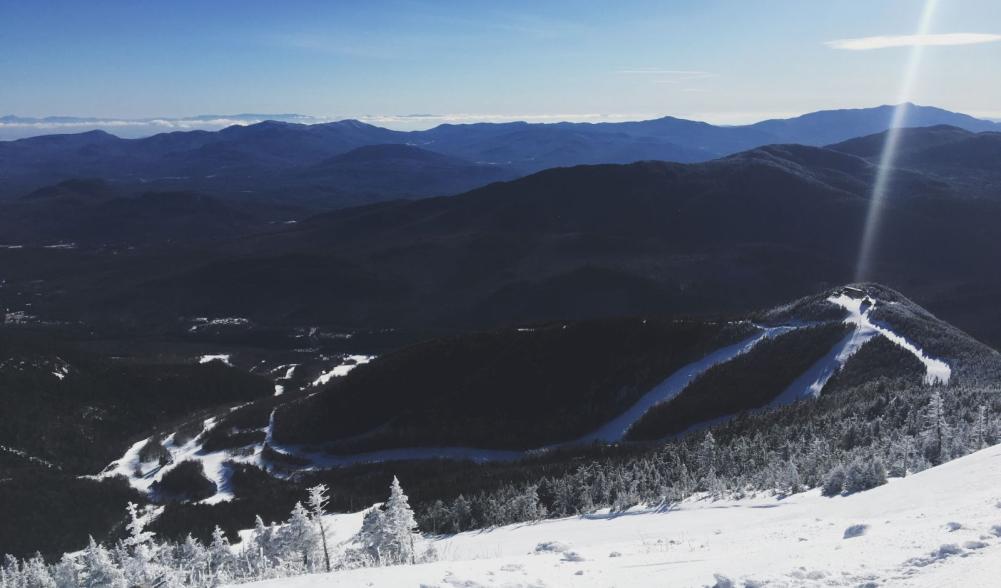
(939, 527)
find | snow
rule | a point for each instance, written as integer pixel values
(812, 381)
(350, 363)
(202, 322)
(289, 371)
(808, 384)
(936, 371)
(223, 357)
(25, 455)
(141, 476)
(894, 535)
(617, 428)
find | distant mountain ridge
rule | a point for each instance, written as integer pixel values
(731, 234)
(252, 158)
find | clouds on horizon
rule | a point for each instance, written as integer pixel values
(891, 41)
(14, 127)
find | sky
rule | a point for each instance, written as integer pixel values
(723, 61)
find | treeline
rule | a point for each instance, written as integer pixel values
(845, 441)
(302, 544)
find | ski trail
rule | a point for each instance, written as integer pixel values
(936, 371)
(615, 430)
(813, 380)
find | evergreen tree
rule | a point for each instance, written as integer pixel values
(936, 429)
(298, 537)
(139, 547)
(220, 556)
(399, 526)
(97, 569)
(980, 428)
(35, 574)
(462, 514)
(370, 538)
(263, 542)
(65, 573)
(834, 483)
(318, 500)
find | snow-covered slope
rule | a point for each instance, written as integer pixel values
(142, 475)
(853, 305)
(940, 527)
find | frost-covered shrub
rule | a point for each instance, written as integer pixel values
(864, 474)
(834, 483)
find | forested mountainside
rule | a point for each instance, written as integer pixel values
(210, 359)
(729, 235)
(843, 375)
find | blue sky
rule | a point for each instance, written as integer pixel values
(723, 61)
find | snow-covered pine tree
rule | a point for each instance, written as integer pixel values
(936, 429)
(97, 569)
(787, 478)
(370, 539)
(707, 454)
(192, 561)
(298, 537)
(399, 526)
(262, 543)
(35, 574)
(461, 514)
(525, 505)
(437, 515)
(863, 474)
(65, 572)
(834, 482)
(980, 428)
(140, 546)
(318, 499)
(220, 556)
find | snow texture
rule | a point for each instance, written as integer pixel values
(349, 364)
(223, 357)
(762, 541)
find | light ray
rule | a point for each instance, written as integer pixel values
(888, 156)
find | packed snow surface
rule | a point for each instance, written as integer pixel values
(936, 371)
(350, 363)
(935, 528)
(616, 429)
(141, 475)
(223, 357)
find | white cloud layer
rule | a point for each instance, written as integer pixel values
(888, 41)
(14, 127)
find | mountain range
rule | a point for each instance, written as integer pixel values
(274, 159)
(727, 235)
(213, 321)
